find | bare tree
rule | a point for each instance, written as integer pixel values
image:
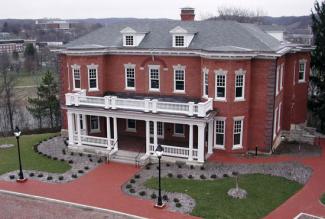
(241, 15)
(7, 94)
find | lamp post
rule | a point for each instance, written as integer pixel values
(159, 152)
(21, 178)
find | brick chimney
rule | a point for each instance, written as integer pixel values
(187, 14)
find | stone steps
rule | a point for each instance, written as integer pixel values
(126, 157)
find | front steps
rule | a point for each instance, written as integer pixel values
(128, 157)
(301, 133)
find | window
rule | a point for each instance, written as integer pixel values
(76, 78)
(130, 77)
(277, 80)
(279, 117)
(92, 77)
(129, 41)
(240, 85)
(179, 129)
(94, 124)
(220, 85)
(131, 125)
(179, 41)
(238, 133)
(160, 129)
(302, 69)
(205, 82)
(154, 78)
(220, 133)
(179, 80)
(281, 77)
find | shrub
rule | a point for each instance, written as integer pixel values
(71, 153)
(179, 166)
(137, 176)
(89, 155)
(192, 167)
(132, 180)
(142, 193)
(178, 205)
(70, 161)
(63, 151)
(12, 177)
(153, 195)
(235, 173)
(190, 176)
(202, 176)
(179, 176)
(176, 200)
(80, 171)
(128, 186)
(225, 175)
(31, 174)
(165, 197)
(167, 164)
(132, 190)
(49, 157)
(91, 160)
(86, 168)
(49, 178)
(99, 161)
(202, 168)
(170, 175)
(62, 160)
(213, 176)
(40, 153)
(148, 167)
(80, 154)
(55, 158)
(40, 175)
(74, 176)
(61, 178)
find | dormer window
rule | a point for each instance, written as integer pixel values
(179, 41)
(129, 41)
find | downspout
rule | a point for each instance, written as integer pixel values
(274, 96)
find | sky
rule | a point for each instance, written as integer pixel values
(33, 9)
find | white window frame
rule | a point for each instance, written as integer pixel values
(130, 129)
(205, 83)
(92, 67)
(126, 41)
(159, 135)
(275, 122)
(175, 41)
(179, 68)
(302, 61)
(279, 117)
(220, 119)
(154, 67)
(90, 125)
(126, 67)
(277, 80)
(281, 76)
(220, 72)
(240, 145)
(76, 67)
(179, 134)
(242, 73)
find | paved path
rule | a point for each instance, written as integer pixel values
(18, 207)
(307, 199)
(100, 188)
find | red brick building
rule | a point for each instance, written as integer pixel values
(195, 87)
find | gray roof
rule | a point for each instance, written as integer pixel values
(214, 36)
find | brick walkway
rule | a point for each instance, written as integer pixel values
(307, 199)
(100, 188)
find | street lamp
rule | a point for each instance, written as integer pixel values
(21, 178)
(159, 152)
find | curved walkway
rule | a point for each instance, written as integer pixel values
(99, 188)
(307, 199)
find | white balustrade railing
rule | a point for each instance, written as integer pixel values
(175, 151)
(92, 141)
(146, 105)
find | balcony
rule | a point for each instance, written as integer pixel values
(200, 109)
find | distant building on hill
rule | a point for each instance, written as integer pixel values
(53, 24)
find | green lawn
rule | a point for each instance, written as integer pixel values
(265, 193)
(30, 159)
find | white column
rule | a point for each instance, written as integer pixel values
(147, 137)
(190, 156)
(108, 131)
(200, 142)
(155, 135)
(115, 132)
(70, 127)
(78, 128)
(210, 137)
(84, 123)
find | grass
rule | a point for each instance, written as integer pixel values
(30, 159)
(265, 193)
(322, 199)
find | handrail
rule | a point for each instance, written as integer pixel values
(112, 148)
(137, 161)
